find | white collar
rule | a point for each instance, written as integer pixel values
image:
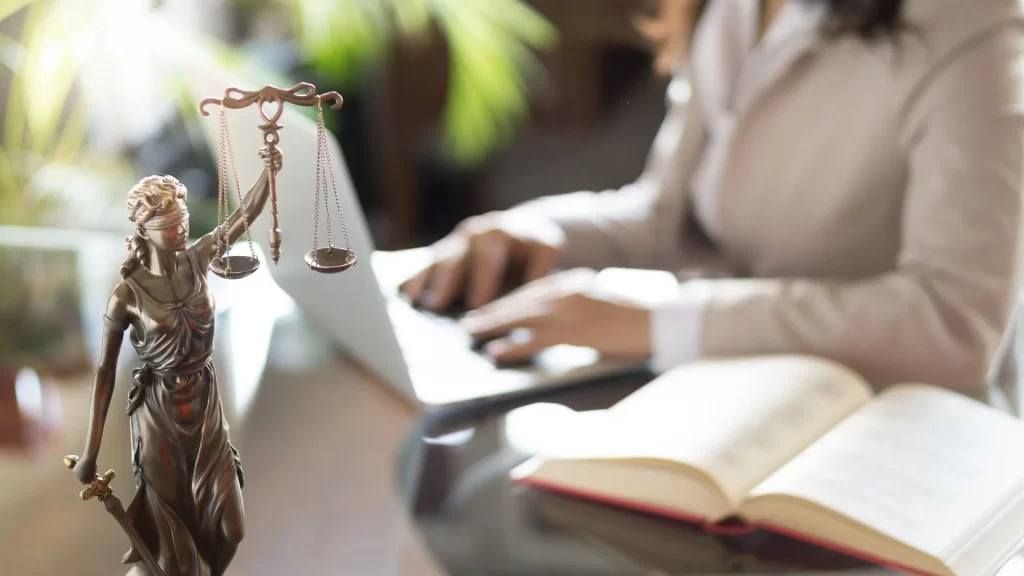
(731, 67)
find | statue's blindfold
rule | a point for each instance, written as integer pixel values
(172, 218)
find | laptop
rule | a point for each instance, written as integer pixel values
(424, 356)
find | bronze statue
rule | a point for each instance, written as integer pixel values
(188, 507)
(186, 518)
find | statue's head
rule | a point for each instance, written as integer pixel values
(156, 205)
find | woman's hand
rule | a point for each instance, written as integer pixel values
(85, 469)
(566, 308)
(477, 257)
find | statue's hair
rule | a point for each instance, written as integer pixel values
(150, 197)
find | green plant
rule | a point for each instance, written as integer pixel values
(491, 44)
(43, 154)
(44, 124)
(40, 319)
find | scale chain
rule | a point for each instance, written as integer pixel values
(337, 200)
(238, 190)
(325, 163)
(222, 177)
(322, 147)
(319, 172)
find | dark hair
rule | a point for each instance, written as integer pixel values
(866, 19)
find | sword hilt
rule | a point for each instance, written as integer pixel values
(99, 488)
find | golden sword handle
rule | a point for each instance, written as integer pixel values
(100, 489)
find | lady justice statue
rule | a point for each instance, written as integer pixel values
(186, 518)
(188, 507)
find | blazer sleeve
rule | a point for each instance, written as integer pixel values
(639, 224)
(939, 317)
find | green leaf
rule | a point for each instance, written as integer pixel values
(411, 16)
(525, 23)
(72, 137)
(8, 7)
(14, 115)
(49, 70)
(341, 38)
(489, 45)
(11, 52)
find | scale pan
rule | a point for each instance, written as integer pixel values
(234, 267)
(330, 260)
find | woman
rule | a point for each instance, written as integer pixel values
(842, 179)
(188, 506)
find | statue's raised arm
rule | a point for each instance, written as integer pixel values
(219, 240)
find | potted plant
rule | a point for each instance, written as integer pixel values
(40, 337)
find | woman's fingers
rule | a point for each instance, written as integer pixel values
(502, 317)
(474, 260)
(445, 283)
(527, 320)
(541, 262)
(437, 285)
(413, 287)
(488, 262)
(528, 296)
(519, 347)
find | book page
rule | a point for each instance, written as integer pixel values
(925, 467)
(737, 420)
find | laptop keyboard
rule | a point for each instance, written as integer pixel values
(431, 338)
(443, 358)
(447, 326)
(419, 325)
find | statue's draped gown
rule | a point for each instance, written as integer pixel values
(185, 466)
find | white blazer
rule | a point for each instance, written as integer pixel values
(866, 206)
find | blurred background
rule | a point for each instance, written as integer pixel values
(452, 107)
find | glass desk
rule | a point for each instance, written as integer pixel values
(453, 473)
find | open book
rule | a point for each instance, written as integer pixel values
(917, 478)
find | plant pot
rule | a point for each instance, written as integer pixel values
(29, 408)
(57, 286)
(10, 415)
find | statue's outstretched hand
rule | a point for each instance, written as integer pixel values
(272, 159)
(84, 469)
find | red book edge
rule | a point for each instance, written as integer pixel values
(703, 524)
